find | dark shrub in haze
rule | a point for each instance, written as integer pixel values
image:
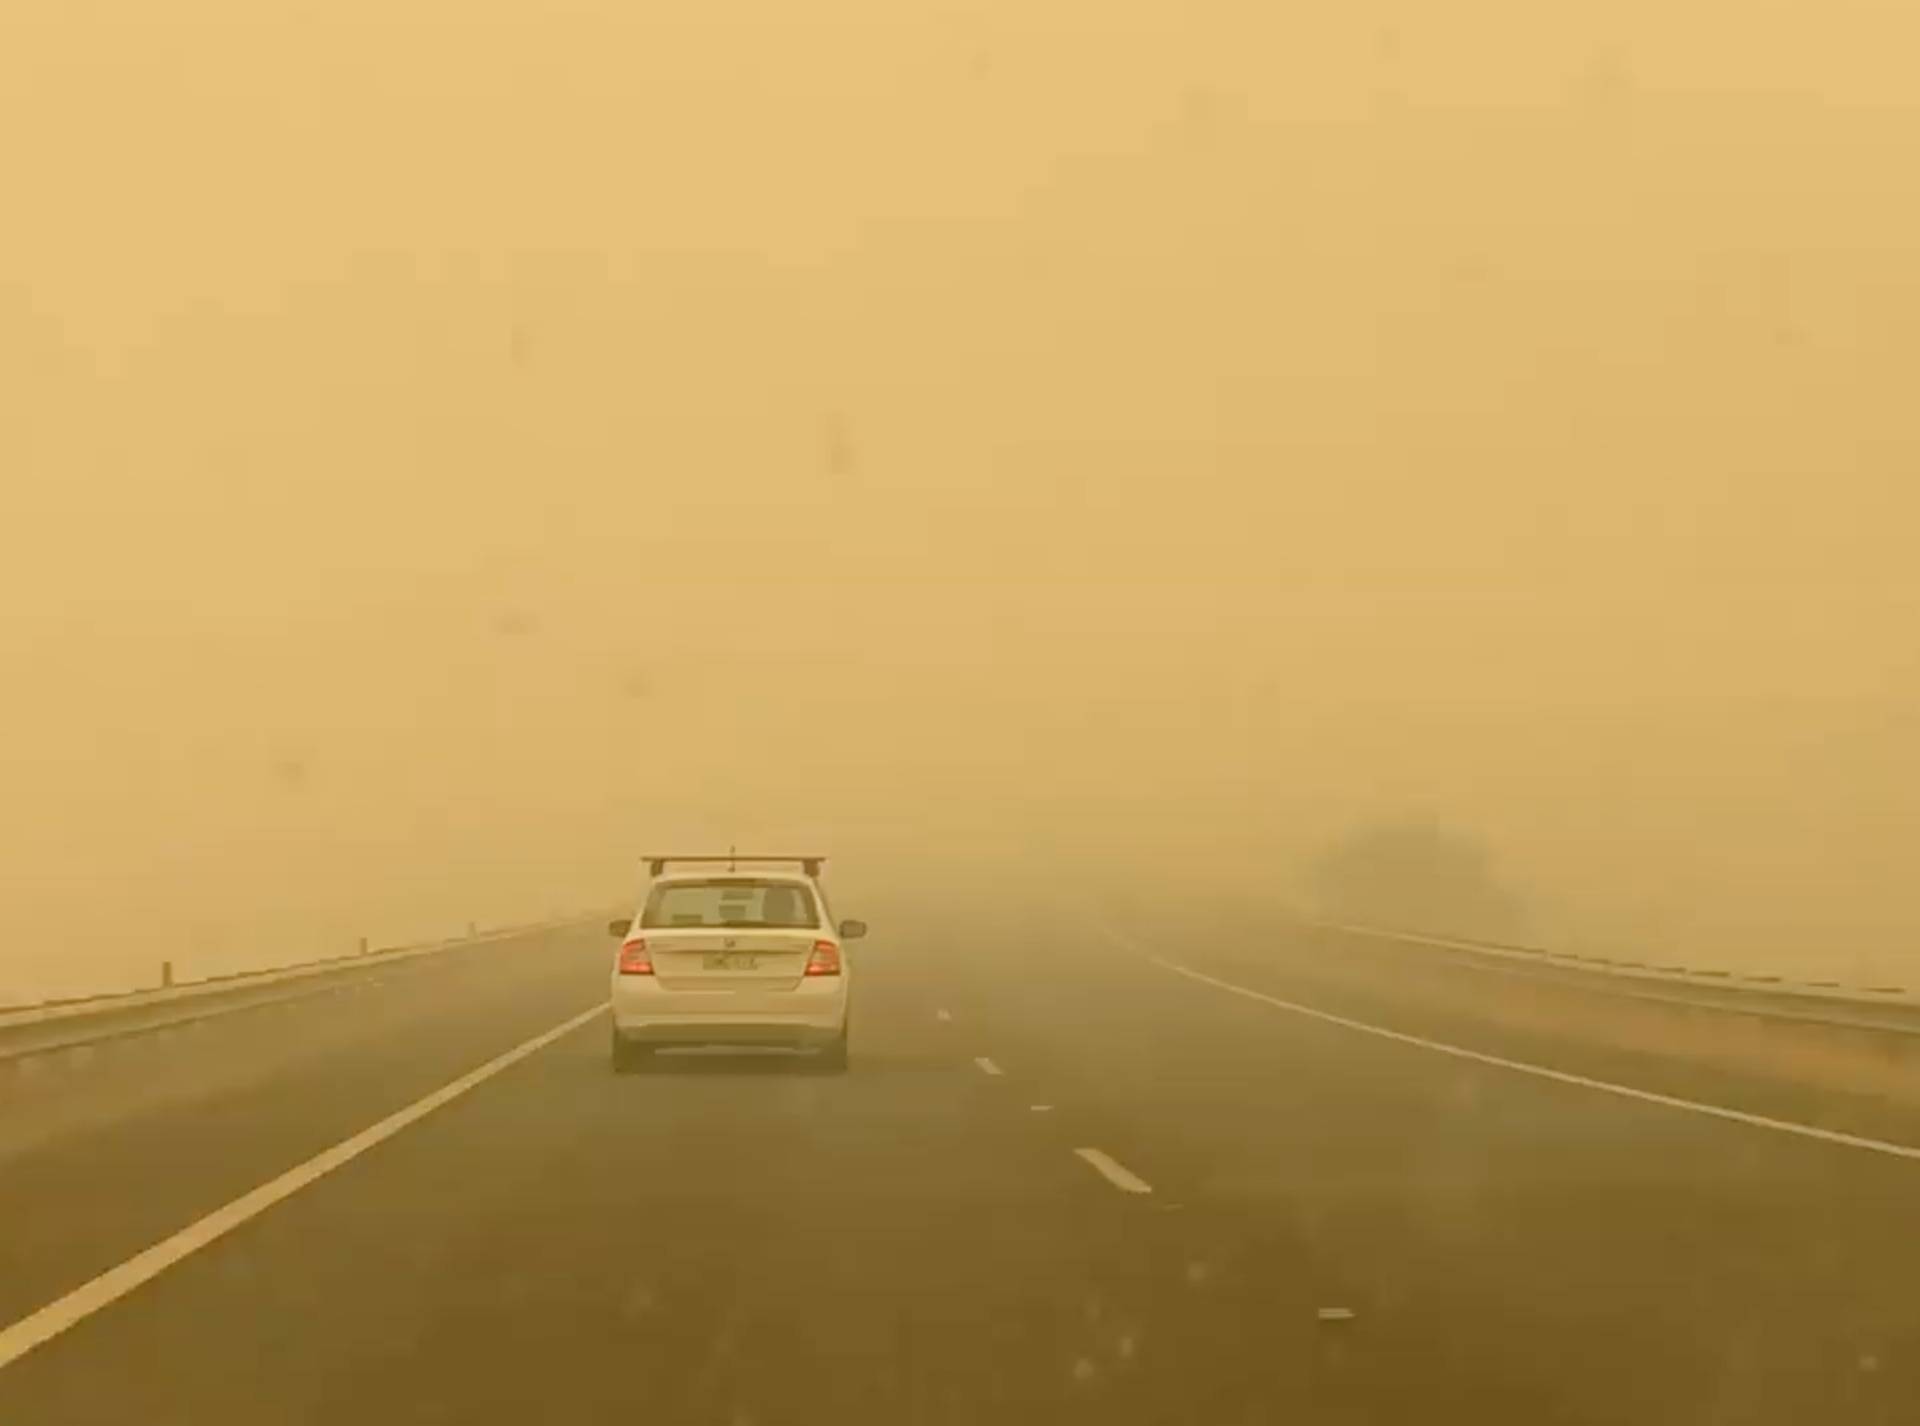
(1415, 876)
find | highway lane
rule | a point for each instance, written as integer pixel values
(105, 1148)
(732, 1240)
(1648, 1263)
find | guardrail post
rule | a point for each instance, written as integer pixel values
(473, 929)
(166, 974)
(363, 945)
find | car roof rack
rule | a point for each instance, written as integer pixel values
(731, 860)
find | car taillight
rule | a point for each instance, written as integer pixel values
(825, 959)
(634, 959)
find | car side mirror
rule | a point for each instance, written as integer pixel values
(852, 930)
(619, 928)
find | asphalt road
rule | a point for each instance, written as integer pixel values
(1340, 1227)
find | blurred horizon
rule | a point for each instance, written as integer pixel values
(453, 449)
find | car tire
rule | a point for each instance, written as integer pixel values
(832, 1057)
(628, 1057)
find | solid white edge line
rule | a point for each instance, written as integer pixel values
(1645, 1096)
(987, 1066)
(1114, 1172)
(21, 1337)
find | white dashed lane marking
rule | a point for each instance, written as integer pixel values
(1114, 1172)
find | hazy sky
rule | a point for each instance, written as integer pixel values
(451, 447)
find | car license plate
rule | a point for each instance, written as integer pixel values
(734, 961)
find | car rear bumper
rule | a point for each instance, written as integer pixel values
(813, 1013)
(785, 1033)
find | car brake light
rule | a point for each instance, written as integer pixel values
(634, 959)
(825, 959)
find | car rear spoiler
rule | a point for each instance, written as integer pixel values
(809, 864)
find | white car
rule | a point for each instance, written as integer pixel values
(732, 951)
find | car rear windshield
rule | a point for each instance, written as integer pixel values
(732, 901)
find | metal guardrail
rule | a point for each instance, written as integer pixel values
(168, 991)
(1708, 977)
